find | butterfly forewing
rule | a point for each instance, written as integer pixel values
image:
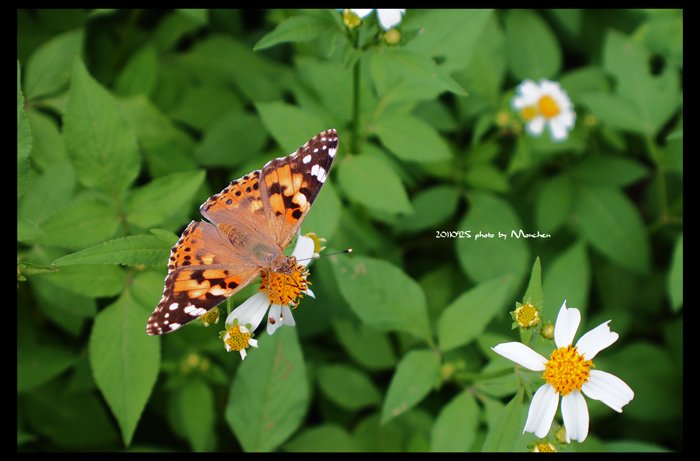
(290, 184)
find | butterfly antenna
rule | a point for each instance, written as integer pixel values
(346, 251)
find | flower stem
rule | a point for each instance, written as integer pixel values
(355, 140)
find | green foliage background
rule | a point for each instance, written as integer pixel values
(128, 119)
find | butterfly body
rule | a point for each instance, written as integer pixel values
(249, 224)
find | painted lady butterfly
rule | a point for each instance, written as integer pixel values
(252, 221)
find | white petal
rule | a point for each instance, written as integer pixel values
(243, 353)
(253, 342)
(362, 12)
(304, 250)
(310, 293)
(558, 130)
(549, 87)
(535, 126)
(287, 316)
(566, 325)
(273, 319)
(389, 18)
(227, 336)
(609, 389)
(251, 311)
(542, 409)
(596, 340)
(574, 411)
(567, 118)
(522, 355)
(519, 103)
(529, 89)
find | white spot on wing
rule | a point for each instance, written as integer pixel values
(319, 172)
(174, 306)
(331, 153)
(174, 326)
(306, 159)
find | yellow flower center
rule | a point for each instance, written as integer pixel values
(237, 339)
(211, 317)
(544, 447)
(285, 288)
(567, 370)
(392, 37)
(527, 316)
(548, 106)
(351, 20)
(528, 113)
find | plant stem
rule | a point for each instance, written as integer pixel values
(355, 140)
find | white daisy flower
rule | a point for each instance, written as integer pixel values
(288, 289)
(568, 373)
(388, 18)
(546, 104)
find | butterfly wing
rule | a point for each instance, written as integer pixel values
(289, 185)
(204, 269)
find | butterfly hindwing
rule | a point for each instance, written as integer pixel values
(202, 272)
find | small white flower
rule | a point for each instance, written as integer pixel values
(568, 373)
(238, 338)
(546, 104)
(253, 310)
(388, 18)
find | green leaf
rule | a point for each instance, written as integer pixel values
(162, 198)
(49, 67)
(172, 28)
(415, 376)
(486, 258)
(655, 98)
(295, 29)
(365, 345)
(290, 125)
(408, 74)
(612, 225)
(455, 428)
(532, 47)
(324, 438)
(589, 79)
(324, 216)
(166, 148)
(98, 137)
(89, 219)
(554, 203)
(148, 250)
(270, 393)
(220, 59)
(507, 427)
(93, 281)
(634, 446)
(609, 171)
(194, 402)
(24, 139)
(198, 15)
(365, 178)
(71, 420)
(432, 207)
(567, 277)
(615, 111)
(382, 295)
(201, 106)
(467, 316)
(534, 294)
(347, 387)
(140, 74)
(124, 361)
(486, 176)
(38, 364)
(231, 140)
(451, 35)
(411, 139)
(48, 151)
(675, 276)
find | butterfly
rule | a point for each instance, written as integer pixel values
(249, 224)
